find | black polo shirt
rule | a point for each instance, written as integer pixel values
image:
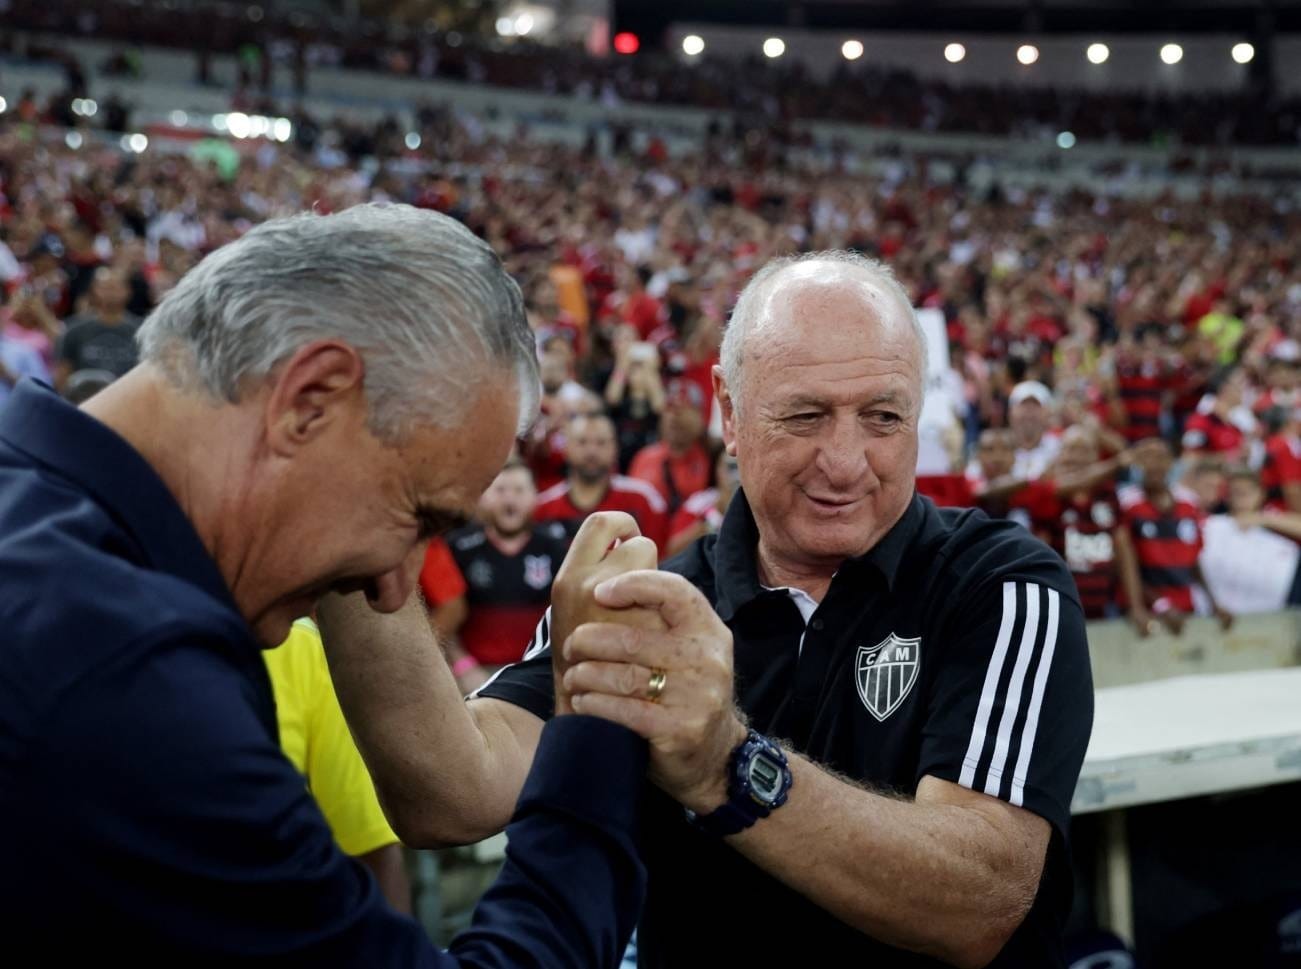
(955, 648)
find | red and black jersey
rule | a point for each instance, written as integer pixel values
(1084, 537)
(635, 497)
(1167, 545)
(1035, 507)
(1210, 432)
(1282, 467)
(506, 594)
(1143, 386)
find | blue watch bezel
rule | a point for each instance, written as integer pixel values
(744, 806)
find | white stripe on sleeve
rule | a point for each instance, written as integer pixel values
(992, 675)
(1012, 706)
(1036, 701)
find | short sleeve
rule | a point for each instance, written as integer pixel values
(440, 580)
(529, 683)
(1010, 708)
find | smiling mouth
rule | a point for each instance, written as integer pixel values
(832, 504)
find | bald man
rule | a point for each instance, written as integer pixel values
(866, 715)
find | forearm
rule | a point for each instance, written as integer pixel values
(390, 872)
(1287, 524)
(933, 878)
(443, 777)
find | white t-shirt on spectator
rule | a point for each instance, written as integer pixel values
(1248, 570)
(1033, 462)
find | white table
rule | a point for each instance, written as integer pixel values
(1183, 737)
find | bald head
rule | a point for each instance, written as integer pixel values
(811, 297)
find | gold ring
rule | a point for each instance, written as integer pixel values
(656, 685)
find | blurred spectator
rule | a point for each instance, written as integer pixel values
(1223, 423)
(1030, 409)
(104, 337)
(678, 465)
(1280, 474)
(592, 485)
(27, 319)
(1167, 538)
(702, 513)
(1089, 533)
(1250, 556)
(1202, 484)
(508, 564)
(315, 738)
(634, 394)
(18, 360)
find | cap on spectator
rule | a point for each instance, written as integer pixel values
(47, 245)
(1028, 390)
(1286, 350)
(683, 393)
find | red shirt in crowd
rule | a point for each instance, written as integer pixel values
(1143, 386)
(1282, 467)
(947, 490)
(700, 509)
(440, 580)
(1084, 536)
(630, 495)
(644, 313)
(1167, 545)
(1212, 433)
(675, 477)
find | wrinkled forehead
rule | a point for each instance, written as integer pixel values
(823, 310)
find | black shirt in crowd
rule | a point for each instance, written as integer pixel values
(90, 344)
(954, 648)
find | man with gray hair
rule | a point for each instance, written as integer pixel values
(866, 715)
(314, 402)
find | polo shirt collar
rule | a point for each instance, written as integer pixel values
(736, 566)
(39, 423)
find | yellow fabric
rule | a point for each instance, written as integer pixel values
(316, 740)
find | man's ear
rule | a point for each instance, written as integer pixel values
(728, 407)
(320, 385)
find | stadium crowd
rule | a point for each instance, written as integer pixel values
(283, 47)
(1122, 376)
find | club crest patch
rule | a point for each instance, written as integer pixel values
(885, 673)
(537, 571)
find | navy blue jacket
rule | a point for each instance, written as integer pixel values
(145, 806)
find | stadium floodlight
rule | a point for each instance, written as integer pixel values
(505, 26)
(282, 129)
(138, 142)
(1172, 54)
(1098, 53)
(523, 24)
(774, 47)
(954, 53)
(72, 139)
(693, 45)
(239, 124)
(412, 140)
(4, 105)
(1027, 54)
(851, 50)
(1066, 140)
(1243, 53)
(626, 42)
(179, 119)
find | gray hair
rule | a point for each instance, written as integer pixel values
(750, 302)
(425, 302)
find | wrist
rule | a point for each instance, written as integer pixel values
(712, 795)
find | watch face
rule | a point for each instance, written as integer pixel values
(765, 777)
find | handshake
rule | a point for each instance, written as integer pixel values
(644, 649)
